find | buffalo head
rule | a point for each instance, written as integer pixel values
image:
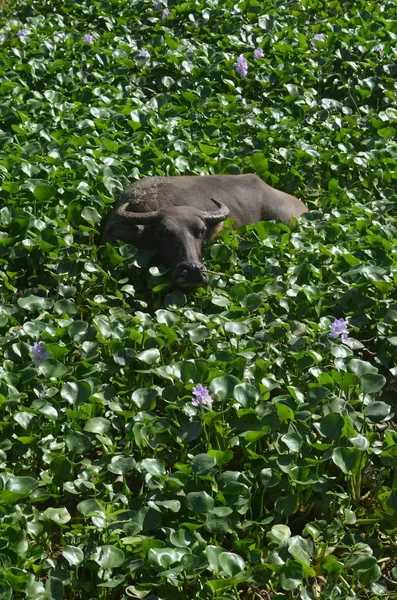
(178, 233)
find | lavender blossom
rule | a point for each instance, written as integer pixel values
(378, 49)
(165, 14)
(22, 33)
(88, 39)
(339, 328)
(39, 352)
(145, 54)
(157, 5)
(191, 48)
(258, 53)
(319, 37)
(241, 67)
(202, 396)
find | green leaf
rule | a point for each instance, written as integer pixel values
(199, 502)
(108, 557)
(154, 466)
(223, 387)
(65, 307)
(347, 459)
(387, 132)
(120, 465)
(145, 398)
(221, 457)
(76, 392)
(52, 369)
(366, 569)
(149, 357)
(389, 456)
(44, 192)
(164, 557)
(332, 565)
(213, 553)
(232, 564)
(286, 505)
(280, 532)
(221, 253)
(54, 588)
(218, 524)
(77, 442)
(331, 426)
(181, 538)
(377, 411)
(360, 367)
(90, 214)
(236, 328)
(22, 484)
(73, 555)
(190, 431)
(300, 549)
(370, 383)
(293, 441)
(291, 576)
(35, 303)
(87, 507)
(113, 582)
(202, 464)
(61, 515)
(246, 394)
(97, 425)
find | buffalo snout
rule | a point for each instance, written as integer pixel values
(189, 274)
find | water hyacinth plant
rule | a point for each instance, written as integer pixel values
(88, 38)
(201, 396)
(144, 53)
(339, 329)
(319, 37)
(238, 441)
(241, 67)
(39, 352)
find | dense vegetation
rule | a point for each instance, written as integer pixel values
(116, 481)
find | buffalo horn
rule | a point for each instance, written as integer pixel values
(214, 217)
(140, 218)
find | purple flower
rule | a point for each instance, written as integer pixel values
(191, 48)
(157, 5)
(202, 396)
(165, 14)
(241, 66)
(22, 32)
(377, 48)
(258, 53)
(39, 352)
(145, 54)
(88, 39)
(339, 328)
(319, 37)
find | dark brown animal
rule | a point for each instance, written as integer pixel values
(176, 215)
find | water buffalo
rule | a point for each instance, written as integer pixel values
(176, 215)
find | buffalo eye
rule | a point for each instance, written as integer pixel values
(199, 232)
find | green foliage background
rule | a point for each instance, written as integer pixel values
(112, 484)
